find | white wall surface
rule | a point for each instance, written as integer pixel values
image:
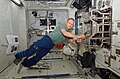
(12, 21)
(5, 28)
(18, 22)
(116, 11)
(115, 19)
(72, 12)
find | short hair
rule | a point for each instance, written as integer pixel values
(70, 19)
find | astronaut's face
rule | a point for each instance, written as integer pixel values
(70, 24)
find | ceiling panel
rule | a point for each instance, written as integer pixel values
(45, 3)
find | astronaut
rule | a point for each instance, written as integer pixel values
(43, 46)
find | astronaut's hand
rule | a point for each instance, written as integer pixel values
(82, 36)
(78, 40)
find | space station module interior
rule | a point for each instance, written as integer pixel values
(96, 57)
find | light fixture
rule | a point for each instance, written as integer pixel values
(17, 2)
(56, 2)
